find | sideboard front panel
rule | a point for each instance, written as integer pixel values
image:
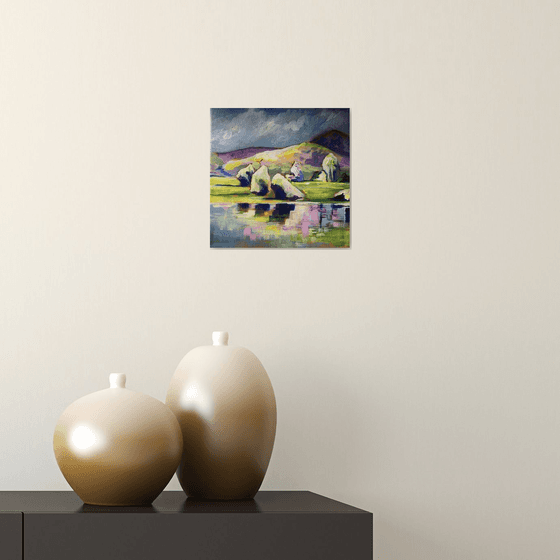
(209, 536)
(11, 526)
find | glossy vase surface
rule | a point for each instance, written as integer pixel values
(117, 447)
(225, 405)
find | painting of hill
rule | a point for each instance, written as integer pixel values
(309, 155)
(294, 193)
(243, 153)
(335, 141)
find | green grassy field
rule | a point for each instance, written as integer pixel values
(227, 189)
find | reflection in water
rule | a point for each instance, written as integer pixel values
(282, 211)
(299, 224)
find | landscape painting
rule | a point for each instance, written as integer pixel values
(280, 178)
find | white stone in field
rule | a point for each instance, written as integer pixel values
(283, 189)
(260, 182)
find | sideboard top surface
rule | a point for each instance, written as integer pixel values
(175, 502)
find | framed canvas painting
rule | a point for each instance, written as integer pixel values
(280, 178)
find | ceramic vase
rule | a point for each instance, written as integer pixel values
(225, 405)
(117, 447)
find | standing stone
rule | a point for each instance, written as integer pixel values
(245, 175)
(296, 172)
(283, 189)
(343, 195)
(260, 182)
(331, 167)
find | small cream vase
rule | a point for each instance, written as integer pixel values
(117, 447)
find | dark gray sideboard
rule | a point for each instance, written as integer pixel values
(273, 526)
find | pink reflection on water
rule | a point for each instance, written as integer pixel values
(305, 226)
(248, 232)
(314, 215)
(311, 218)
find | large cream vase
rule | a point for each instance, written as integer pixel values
(225, 405)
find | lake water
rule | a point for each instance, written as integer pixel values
(280, 225)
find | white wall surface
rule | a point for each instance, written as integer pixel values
(416, 374)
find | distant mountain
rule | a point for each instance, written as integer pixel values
(334, 140)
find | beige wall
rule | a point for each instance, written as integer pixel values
(417, 373)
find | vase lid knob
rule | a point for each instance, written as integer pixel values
(117, 380)
(220, 338)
